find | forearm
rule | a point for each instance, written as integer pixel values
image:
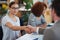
(16, 28)
(39, 30)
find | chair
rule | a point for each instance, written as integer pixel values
(1, 33)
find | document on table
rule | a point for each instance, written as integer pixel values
(31, 37)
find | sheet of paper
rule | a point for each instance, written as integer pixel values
(30, 37)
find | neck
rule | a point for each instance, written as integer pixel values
(11, 15)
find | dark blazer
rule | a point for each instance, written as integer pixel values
(40, 31)
(52, 33)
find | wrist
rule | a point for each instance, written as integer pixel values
(24, 27)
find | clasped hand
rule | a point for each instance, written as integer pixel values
(29, 29)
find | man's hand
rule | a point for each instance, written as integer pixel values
(28, 30)
(32, 29)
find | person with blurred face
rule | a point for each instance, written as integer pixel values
(11, 24)
(36, 18)
(54, 32)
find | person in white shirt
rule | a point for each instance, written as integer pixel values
(11, 25)
(36, 18)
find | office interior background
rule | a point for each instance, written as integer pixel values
(25, 9)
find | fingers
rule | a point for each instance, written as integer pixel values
(32, 29)
(29, 29)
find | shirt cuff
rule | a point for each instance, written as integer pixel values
(37, 30)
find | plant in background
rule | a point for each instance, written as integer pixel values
(25, 14)
(4, 8)
(29, 3)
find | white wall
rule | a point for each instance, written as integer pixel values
(11, 0)
(41, 0)
(34, 1)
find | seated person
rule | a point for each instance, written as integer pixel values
(36, 18)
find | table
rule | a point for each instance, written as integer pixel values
(30, 37)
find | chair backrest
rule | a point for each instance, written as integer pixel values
(1, 33)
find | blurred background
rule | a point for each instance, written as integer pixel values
(25, 10)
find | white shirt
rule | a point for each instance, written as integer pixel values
(9, 34)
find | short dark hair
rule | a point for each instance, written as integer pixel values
(56, 6)
(10, 4)
(37, 9)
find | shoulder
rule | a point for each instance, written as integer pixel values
(41, 16)
(32, 15)
(5, 17)
(49, 34)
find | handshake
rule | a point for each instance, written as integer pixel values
(29, 29)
